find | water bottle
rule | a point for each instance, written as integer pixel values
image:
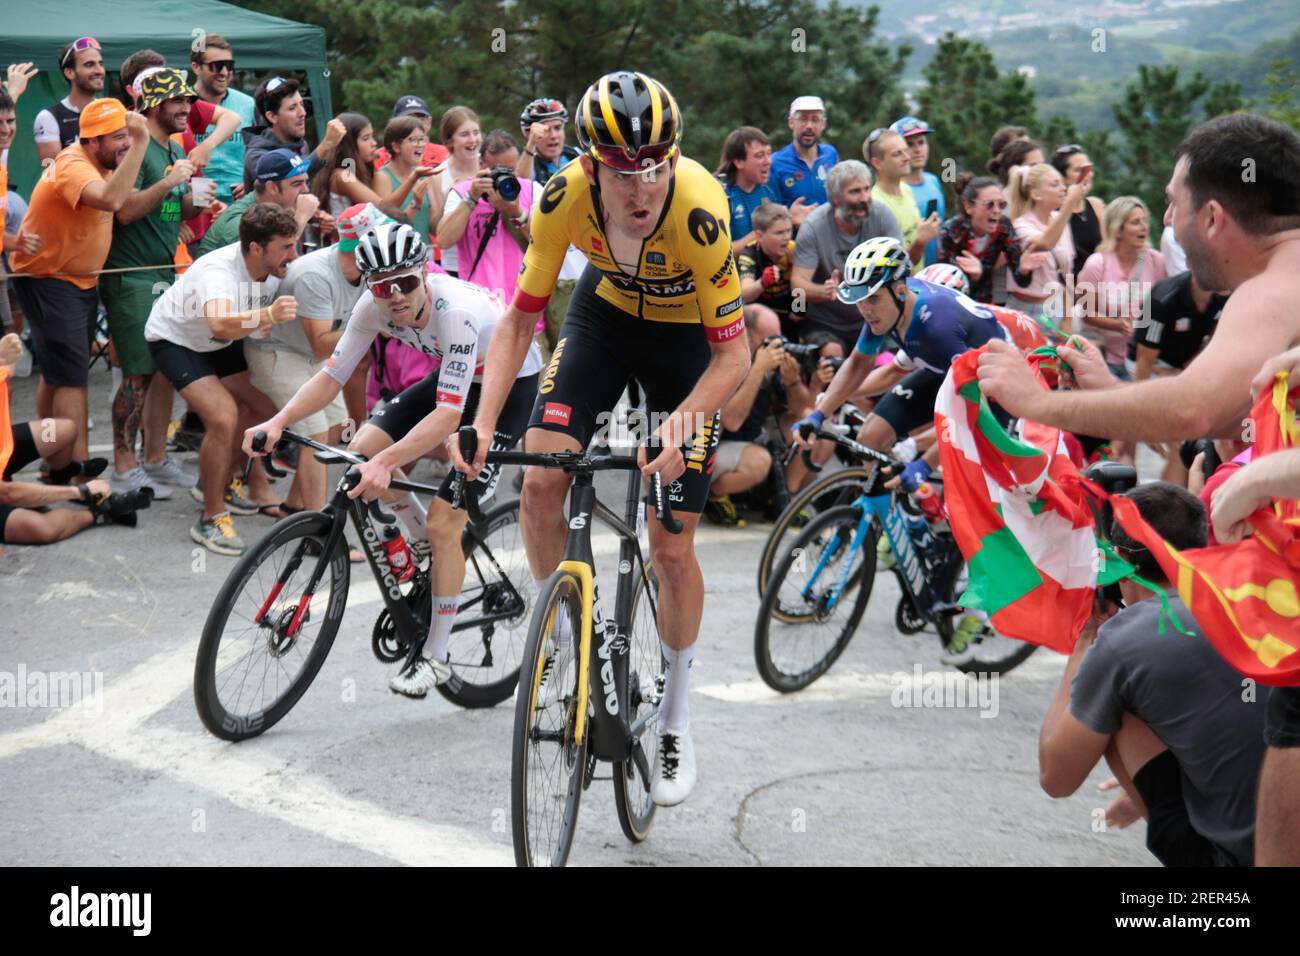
(930, 502)
(399, 555)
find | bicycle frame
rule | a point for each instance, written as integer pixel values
(914, 579)
(612, 736)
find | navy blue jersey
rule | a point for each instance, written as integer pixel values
(944, 324)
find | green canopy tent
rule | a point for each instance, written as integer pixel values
(34, 33)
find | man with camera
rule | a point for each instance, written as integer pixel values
(486, 219)
(774, 381)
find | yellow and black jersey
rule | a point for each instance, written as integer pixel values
(686, 273)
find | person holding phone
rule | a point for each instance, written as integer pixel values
(926, 188)
(1087, 225)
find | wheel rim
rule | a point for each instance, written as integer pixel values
(645, 694)
(259, 659)
(552, 759)
(804, 645)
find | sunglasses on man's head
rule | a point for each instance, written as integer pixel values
(1068, 149)
(221, 66)
(404, 284)
(78, 46)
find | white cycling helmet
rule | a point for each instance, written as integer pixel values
(389, 247)
(946, 274)
(878, 262)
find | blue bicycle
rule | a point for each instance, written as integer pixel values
(820, 585)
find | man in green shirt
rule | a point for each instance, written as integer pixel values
(145, 234)
(281, 179)
(890, 160)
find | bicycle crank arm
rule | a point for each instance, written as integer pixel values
(946, 609)
(642, 763)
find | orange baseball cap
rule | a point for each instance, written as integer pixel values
(102, 117)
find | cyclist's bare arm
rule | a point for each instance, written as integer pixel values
(432, 431)
(317, 392)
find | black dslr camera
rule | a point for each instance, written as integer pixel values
(806, 354)
(505, 182)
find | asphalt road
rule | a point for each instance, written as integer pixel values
(356, 775)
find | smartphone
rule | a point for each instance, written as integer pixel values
(1085, 171)
(931, 208)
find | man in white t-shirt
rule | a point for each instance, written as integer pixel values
(326, 284)
(196, 334)
(57, 126)
(452, 321)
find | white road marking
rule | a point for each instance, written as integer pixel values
(849, 685)
(240, 773)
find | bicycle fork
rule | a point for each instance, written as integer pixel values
(603, 667)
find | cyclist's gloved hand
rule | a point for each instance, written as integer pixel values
(813, 418)
(915, 473)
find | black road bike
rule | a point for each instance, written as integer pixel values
(275, 618)
(606, 680)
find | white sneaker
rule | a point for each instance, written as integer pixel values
(420, 678)
(135, 479)
(169, 472)
(674, 772)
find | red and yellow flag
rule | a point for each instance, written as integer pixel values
(1245, 596)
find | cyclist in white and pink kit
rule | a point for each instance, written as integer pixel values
(452, 321)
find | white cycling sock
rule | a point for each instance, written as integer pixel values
(444, 616)
(675, 709)
(413, 517)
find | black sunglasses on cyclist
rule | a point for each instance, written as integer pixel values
(221, 66)
(403, 284)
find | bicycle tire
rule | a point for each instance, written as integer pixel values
(840, 523)
(562, 594)
(636, 811)
(215, 715)
(466, 656)
(787, 520)
(1006, 655)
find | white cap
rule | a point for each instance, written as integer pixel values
(807, 103)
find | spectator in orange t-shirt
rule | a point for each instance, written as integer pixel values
(72, 211)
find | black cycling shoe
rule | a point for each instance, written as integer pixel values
(90, 468)
(120, 508)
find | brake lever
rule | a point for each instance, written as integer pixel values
(663, 509)
(462, 494)
(804, 432)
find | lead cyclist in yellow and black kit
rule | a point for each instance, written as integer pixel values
(658, 302)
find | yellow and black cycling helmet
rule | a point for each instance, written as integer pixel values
(629, 122)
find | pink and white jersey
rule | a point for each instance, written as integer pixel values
(456, 330)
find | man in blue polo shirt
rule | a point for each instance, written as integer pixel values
(925, 186)
(799, 170)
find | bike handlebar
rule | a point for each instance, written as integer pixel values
(351, 477)
(574, 462)
(854, 448)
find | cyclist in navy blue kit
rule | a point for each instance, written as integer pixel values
(931, 324)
